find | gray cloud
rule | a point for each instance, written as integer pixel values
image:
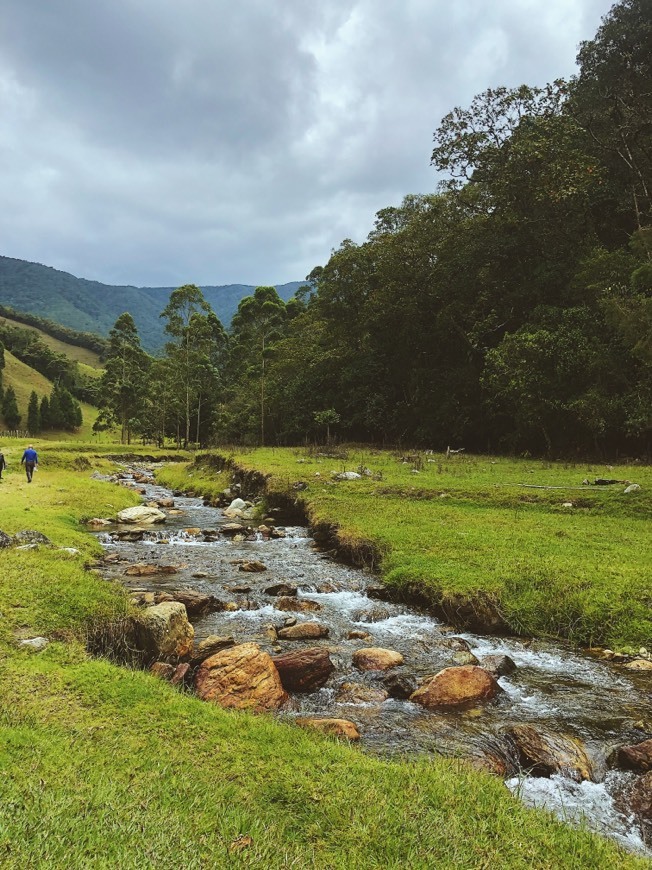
(158, 142)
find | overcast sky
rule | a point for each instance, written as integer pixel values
(162, 142)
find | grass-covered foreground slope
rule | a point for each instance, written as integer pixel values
(569, 561)
(105, 767)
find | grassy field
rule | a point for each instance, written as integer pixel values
(104, 767)
(570, 561)
(81, 354)
(24, 379)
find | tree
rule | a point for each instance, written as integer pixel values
(612, 101)
(194, 355)
(33, 415)
(44, 413)
(258, 322)
(10, 409)
(124, 381)
(327, 418)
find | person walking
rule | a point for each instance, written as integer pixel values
(30, 458)
(3, 463)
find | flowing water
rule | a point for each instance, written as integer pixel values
(554, 688)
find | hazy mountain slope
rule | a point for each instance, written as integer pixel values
(94, 307)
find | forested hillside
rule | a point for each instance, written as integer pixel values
(90, 306)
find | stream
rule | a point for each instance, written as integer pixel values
(553, 688)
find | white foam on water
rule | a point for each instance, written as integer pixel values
(265, 612)
(404, 625)
(591, 672)
(343, 601)
(528, 699)
(586, 803)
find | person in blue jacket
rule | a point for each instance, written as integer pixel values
(30, 459)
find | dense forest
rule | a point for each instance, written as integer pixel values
(511, 309)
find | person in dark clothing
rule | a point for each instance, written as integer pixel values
(30, 459)
(3, 463)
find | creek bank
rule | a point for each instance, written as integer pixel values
(478, 612)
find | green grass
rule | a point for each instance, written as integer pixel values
(465, 528)
(104, 767)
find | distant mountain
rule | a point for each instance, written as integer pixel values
(94, 307)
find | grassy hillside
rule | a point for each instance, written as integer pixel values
(108, 767)
(25, 379)
(81, 354)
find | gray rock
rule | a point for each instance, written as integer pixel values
(5, 540)
(498, 665)
(35, 643)
(145, 515)
(29, 536)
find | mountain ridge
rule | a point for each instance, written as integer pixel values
(93, 306)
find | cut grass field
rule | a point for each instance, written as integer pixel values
(103, 767)
(472, 530)
(24, 379)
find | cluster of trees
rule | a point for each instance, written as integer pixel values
(511, 309)
(59, 410)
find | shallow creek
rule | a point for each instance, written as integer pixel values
(553, 688)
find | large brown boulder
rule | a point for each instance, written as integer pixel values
(544, 753)
(163, 631)
(242, 678)
(304, 670)
(375, 658)
(303, 631)
(454, 687)
(333, 727)
(636, 757)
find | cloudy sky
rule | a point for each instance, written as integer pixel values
(161, 142)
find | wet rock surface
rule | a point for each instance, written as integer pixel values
(598, 703)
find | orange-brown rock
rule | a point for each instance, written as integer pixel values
(305, 669)
(334, 727)
(252, 567)
(242, 678)
(636, 757)
(164, 670)
(296, 605)
(453, 687)
(303, 631)
(375, 658)
(544, 753)
(142, 570)
(639, 665)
